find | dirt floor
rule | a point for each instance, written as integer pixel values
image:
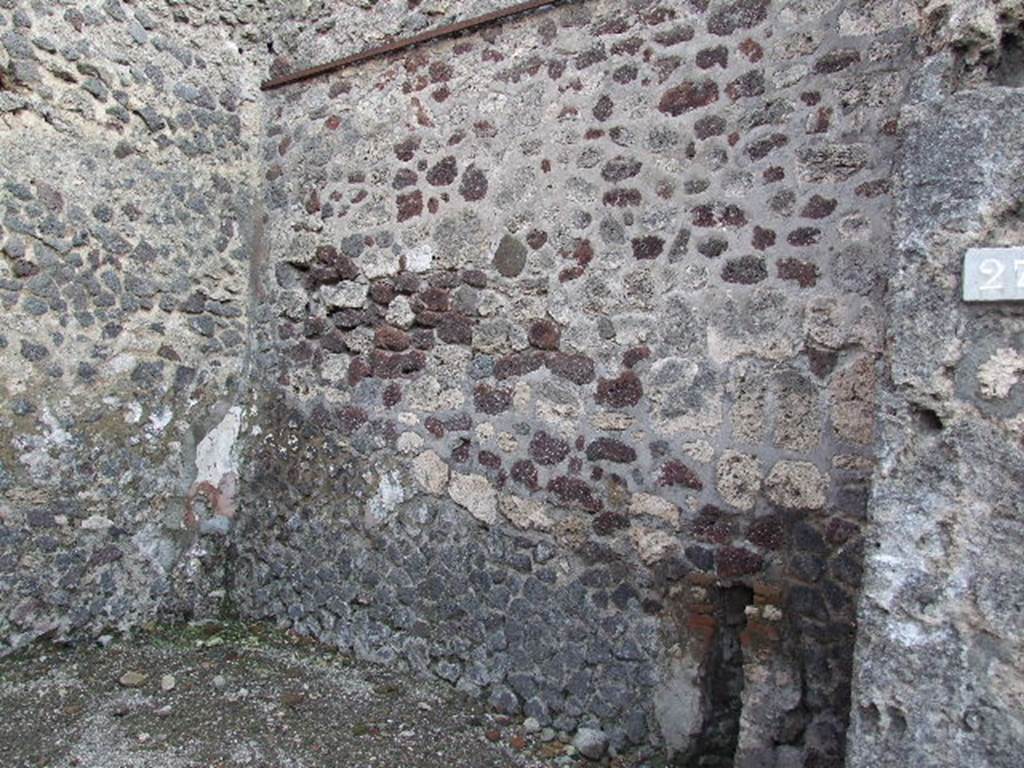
(219, 695)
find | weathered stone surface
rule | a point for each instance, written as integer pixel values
(526, 514)
(653, 545)
(591, 743)
(854, 402)
(654, 506)
(609, 310)
(796, 485)
(476, 494)
(510, 256)
(738, 479)
(938, 661)
(688, 96)
(128, 195)
(431, 472)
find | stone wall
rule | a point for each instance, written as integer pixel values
(588, 361)
(571, 342)
(939, 652)
(126, 190)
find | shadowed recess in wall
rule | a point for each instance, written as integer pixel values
(1010, 69)
(715, 747)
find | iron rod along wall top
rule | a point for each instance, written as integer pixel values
(408, 42)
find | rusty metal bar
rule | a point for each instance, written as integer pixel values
(408, 42)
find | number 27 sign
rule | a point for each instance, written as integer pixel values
(994, 274)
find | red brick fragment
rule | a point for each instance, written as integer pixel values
(572, 491)
(752, 50)
(609, 449)
(767, 532)
(623, 198)
(633, 356)
(524, 472)
(649, 247)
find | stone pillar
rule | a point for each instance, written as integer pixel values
(939, 676)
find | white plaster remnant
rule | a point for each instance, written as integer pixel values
(677, 702)
(38, 453)
(346, 295)
(216, 454)
(121, 364)
(390, 493)
(419, 259)
(156, 548)
(158, 421)
(133, 414)
(1000, 373)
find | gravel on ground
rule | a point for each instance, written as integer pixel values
(224, 694)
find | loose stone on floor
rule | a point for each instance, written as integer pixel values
(211, 695)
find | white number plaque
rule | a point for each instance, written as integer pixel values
(994, 274)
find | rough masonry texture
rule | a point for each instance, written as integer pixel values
(607, 363)
(127, 134)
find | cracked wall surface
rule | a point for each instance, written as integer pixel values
(589, 361)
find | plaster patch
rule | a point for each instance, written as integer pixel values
(1000, 373)
(38, 455)
(97, 523)
(159, 421)
(419, 259)
(133, 413)
(677, 704)
(390, 493)
(216, 455)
